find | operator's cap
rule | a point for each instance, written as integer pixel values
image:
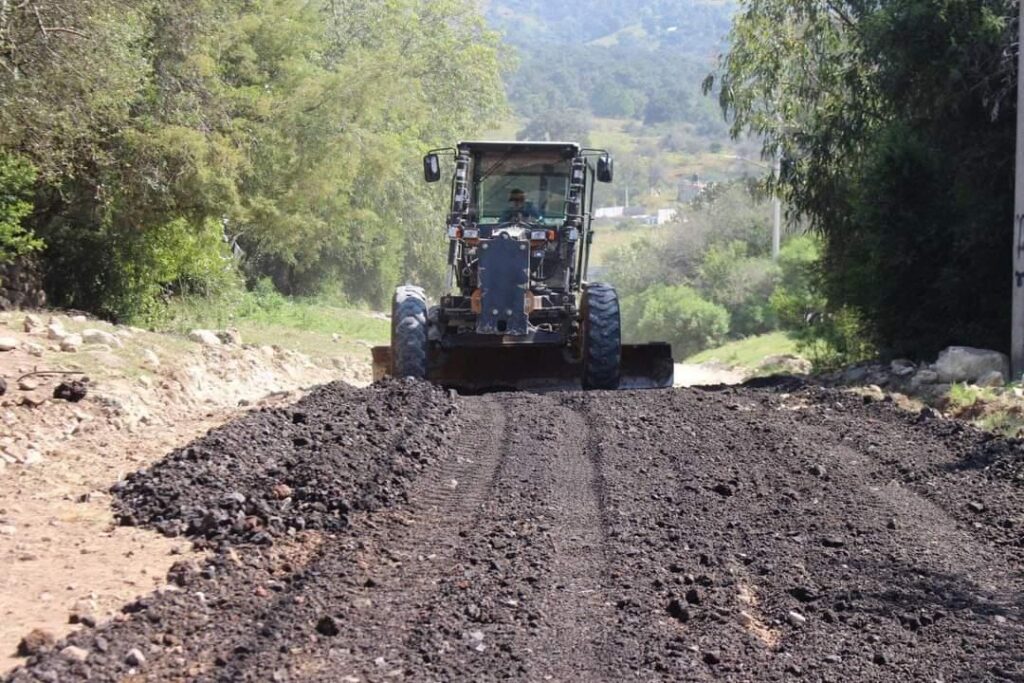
(516, 194)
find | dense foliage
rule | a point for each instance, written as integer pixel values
(704, 277)
(171, 138)
(655, 86)
(896, 119)
(16, 180)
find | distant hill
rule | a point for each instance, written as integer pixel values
(624, 75)
(693, 27)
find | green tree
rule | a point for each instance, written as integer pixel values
(677, 314)
(290, 129)
(897, 123)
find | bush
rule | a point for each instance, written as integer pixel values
(742, 285)
(676, 314)
(830, 338)
(17, 177)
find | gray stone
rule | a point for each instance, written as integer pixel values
(992, 379)
(854, 375)
(135, 657)
(71, 343)
(74, 653)
(32, 324)
(923, 378)
(36, 642)
(92, 336)
(902, 367)
(8, 343)
(56, 331)
(204, 337)
(796, 619)
(150, 359)
(230, 336)
(967, 364)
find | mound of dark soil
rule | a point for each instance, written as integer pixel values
(283, 470)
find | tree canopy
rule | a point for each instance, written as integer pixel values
(896, 122)
(166, 134)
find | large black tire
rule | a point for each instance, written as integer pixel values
(602, 337)
(409, 329)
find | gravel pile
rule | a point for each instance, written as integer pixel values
(282, 470)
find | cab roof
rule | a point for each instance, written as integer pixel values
(568, 149)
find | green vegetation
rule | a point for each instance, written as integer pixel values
(17, 177)
(183, 148)
(676, 314)
(750, 351)
(694, 27)
(993, 410)
(896, 122)
(316, 326)
(714, 258)
(627, 79)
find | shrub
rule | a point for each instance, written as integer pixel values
(676, 314)
(830, 337)
(17, 177)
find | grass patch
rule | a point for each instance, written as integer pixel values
(995, 410)
(748, 352)
(267, 318)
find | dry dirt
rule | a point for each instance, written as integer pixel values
(61, 552)
(403, 533)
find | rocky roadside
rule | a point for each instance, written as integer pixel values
(84, 404)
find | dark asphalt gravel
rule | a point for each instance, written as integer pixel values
(401, 533)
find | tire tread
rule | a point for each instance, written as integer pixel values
(602, 343)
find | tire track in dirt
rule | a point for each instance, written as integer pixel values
(731, 535)
(531, 603)
(375, 589)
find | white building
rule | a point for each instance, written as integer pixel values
(610, 212)
(667, 215)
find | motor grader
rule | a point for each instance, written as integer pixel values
(520, 312)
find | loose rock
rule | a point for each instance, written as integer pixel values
(71, 343)
(93, 336)
(72, 391)
(150, 359)
(205, 337)
(723, 490)
(74, 653)
(328, 626)
(36, 642)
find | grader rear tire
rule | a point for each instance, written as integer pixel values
(602, 337)
(409, 332)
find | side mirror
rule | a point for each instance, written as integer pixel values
(605, 168)
(431, 168)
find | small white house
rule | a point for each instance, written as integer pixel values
(610, 212)
(667, 215)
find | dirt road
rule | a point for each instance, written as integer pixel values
(401, 533)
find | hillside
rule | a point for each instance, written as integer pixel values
(627, 79)
(694, 27)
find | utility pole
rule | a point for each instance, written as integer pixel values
(776, 210)
(1017, 333)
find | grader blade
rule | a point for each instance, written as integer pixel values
(473, 370)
